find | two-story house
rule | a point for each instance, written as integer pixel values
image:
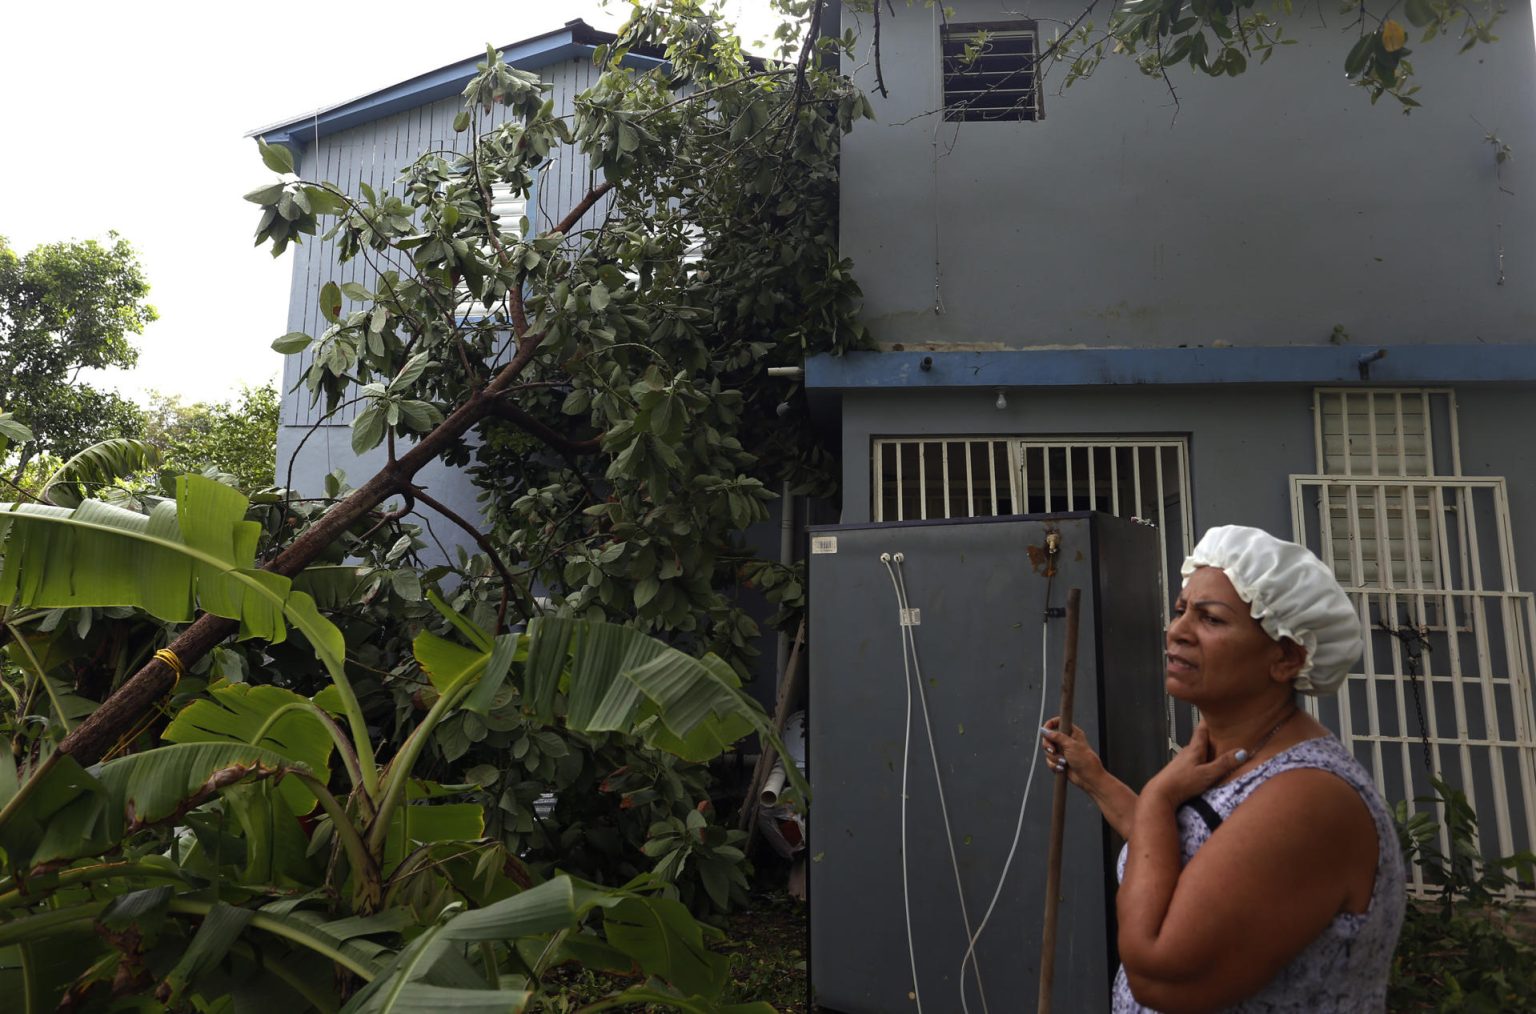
(1257, 300)
(1268, 302)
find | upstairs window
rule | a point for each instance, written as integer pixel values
(989, 71)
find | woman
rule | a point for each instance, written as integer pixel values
(1261, 871)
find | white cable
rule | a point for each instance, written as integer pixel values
(909, 642)
(906, 743)
(1023, 804)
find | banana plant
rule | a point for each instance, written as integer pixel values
(267, 816)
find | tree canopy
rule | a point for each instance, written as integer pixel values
(64, 308)
(237, 437)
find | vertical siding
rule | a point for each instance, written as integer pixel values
(376, 153)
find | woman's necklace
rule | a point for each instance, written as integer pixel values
(1244, 755)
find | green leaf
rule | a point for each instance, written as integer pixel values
(100, 464)
(553, 905)
(221, 927)
(195, 552)
(424, 998)
(1419, 12)
(237, 712)
(410, 372)
(269, 194)
(293, 341)
(619, 678)
(330, 302)
(368, 428)
(473, 634)
(1359, 53)
(445, 662)
(497, 666)
(417, 824)
(276, 157)
(407, 584)
(331, 585)
(156, 784)
(665, 940)
(13, 430)
(66, 812)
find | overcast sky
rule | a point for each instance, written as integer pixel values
(132, 117)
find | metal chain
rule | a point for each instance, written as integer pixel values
(1415, 642)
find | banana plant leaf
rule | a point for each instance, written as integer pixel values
(238, 712)
(657, 934)
(65, 812)
(277, 851)
(220, 929)
(665, 940)
(60, 811)
(620, 679)
(197, 552)
(100, 464)
(414, 825)
(157, 784)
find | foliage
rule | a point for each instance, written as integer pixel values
(1219, 39)
(217, 837)
(67, 307)
(325, 779)
(643, 436)
(702, 859)
(237, 438)
(1469, 949)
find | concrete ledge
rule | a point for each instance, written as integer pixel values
(1309, 364)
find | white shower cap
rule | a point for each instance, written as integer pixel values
(1292, 594)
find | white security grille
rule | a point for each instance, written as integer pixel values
(948, 477)
(1147, 480)
(963, 477)
(1444, 688)
(959, 477)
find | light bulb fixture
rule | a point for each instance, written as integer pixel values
(1002, 400)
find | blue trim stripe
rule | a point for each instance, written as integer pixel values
(1326, 364)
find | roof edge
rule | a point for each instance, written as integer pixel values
(574, 39)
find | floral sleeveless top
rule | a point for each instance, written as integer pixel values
(1343, 971)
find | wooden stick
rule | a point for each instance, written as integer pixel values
(789, 689)
(1058, 811)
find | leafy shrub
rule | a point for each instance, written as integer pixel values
(1467, 949)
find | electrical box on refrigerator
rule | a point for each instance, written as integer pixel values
(978, 592)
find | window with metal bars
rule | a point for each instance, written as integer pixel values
(1379, 525)
(1444, 687)
(989, 71)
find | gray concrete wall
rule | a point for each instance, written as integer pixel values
(1263, 210)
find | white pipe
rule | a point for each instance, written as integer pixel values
(773, 786)
(786, 371)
